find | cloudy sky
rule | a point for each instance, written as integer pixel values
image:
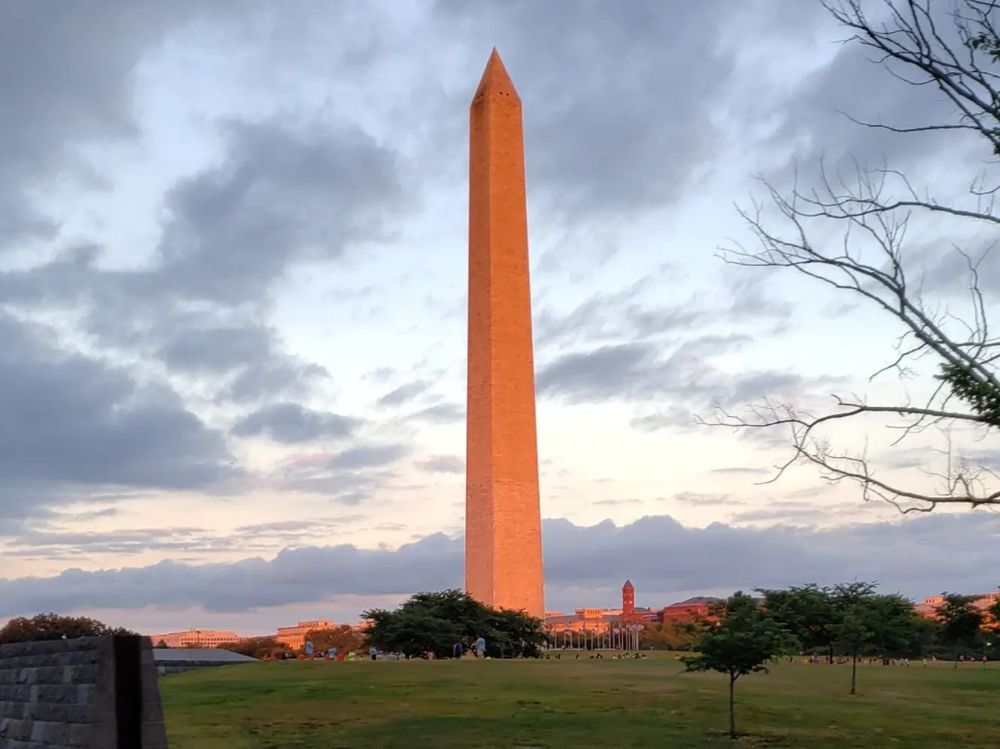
(232, 303)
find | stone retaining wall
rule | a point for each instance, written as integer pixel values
(92, 692)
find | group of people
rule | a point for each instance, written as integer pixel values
(875, 659)
(330, 655)
(478, 648)
(600, 656)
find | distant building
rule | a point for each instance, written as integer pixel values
(598, 620)
(582, 620)
(688, 611)
(982, 601)
(195, 638)
(295, 637)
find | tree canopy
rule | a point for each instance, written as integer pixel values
(435, 622)
(257, 647)
(960, 621)
(807, 612)
(55, 627)
(850, 618)
(341, 637)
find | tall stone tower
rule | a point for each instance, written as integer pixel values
(628, 601)
(503, 538)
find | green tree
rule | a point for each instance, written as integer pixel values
(343, 638)
(897, 629)
(55, 627)
(671, 635)
(515, 634)
(434, 622)
(850, 617)
(805, 612)
(854, 625)
(960, 621)
(853, 631)
(257, 647)
(743, 640)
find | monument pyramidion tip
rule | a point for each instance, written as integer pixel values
(495, 79)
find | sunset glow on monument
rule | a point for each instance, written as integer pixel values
(503, 545)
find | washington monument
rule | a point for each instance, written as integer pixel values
(503, 540)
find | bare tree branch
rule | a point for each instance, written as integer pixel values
(958, 55)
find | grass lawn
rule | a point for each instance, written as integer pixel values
(570, 703)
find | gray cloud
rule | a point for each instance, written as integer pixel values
(350, 476)
(915, 557)
(608, 318)
(282, 195)
(368, 456)
(213, 349)
(806, 515)
(248, 354)
(168, 539)
(71, 420)
(312, 526)
(45, 541)
(702, 499)
(740, 471)
(290, 422)
(442, 464)
(948, 271)
(817, 115)
(753, 298)
(279, 196)
(279, 376)
(404, 393)
(600, 153)
(442, 413)
(615, 502)
(596, 373)
(638, 372)
(677, 417)
(69, 73)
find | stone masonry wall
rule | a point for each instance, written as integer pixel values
(92, 692)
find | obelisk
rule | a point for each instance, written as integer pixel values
(503, 535)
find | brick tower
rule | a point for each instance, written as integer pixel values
(503, 539)
(628, 601)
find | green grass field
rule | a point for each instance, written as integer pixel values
(583, 703)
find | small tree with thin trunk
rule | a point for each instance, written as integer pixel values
(854, 628)
(854, 634)
(960, 621)
(744, 639)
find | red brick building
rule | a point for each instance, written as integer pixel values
(599, 621)
(982, 601)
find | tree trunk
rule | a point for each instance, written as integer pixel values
(829, 656)
(854, 670)
(732, 707)
(955, 656)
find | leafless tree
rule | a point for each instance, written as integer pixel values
(957, 54)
